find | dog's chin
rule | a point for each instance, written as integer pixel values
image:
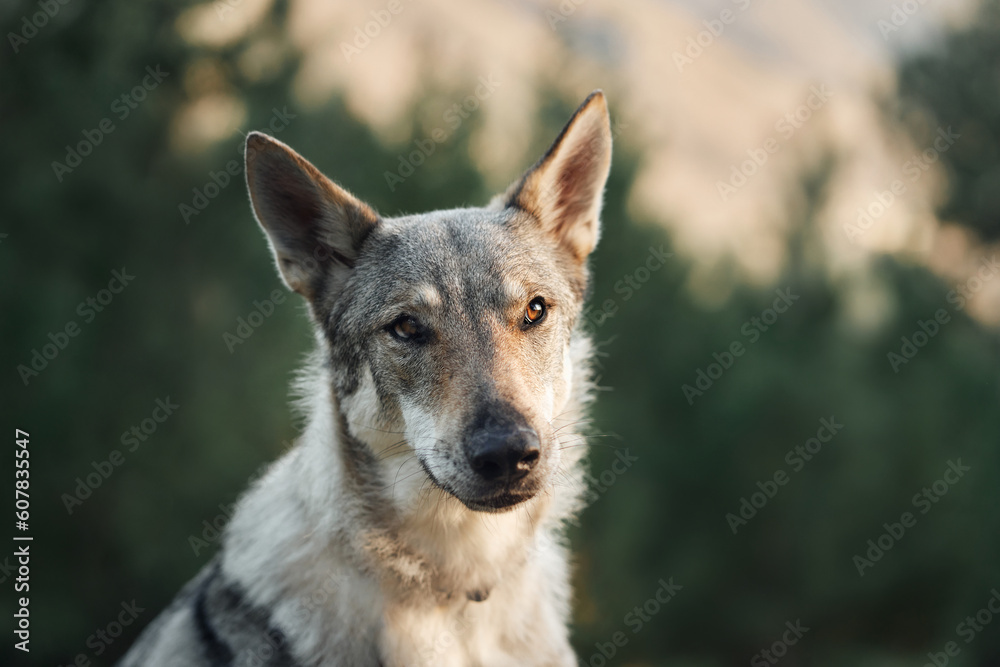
(498, 503)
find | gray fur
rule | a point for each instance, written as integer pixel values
(381, 538)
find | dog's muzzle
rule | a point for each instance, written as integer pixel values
(502, 452)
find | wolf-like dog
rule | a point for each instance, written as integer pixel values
(419, 519)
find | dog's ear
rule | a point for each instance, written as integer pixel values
(563, 191)
(312, 223)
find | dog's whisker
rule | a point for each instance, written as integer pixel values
(593, 444)
(380, 430)
(392, 450)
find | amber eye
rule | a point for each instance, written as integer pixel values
(535, 311)
(405, 328)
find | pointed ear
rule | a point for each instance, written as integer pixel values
(563, 191)
(314, 226)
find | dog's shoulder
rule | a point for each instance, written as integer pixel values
(211, 622)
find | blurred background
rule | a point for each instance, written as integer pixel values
(824, 175)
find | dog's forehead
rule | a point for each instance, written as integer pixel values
(446, 238)
(475, 251)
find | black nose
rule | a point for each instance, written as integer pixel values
(502, 450)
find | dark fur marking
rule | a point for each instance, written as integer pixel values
(216, 650)
(477, 595)
(358, 458)
(433, 479)
(233, 630)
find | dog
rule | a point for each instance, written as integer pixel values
(419, 518)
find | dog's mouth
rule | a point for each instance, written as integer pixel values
(502, 500)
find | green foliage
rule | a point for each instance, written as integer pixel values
(959, 85)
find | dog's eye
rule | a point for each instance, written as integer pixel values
(405, 328)
(535, 311)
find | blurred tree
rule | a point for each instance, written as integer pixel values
(958, 85)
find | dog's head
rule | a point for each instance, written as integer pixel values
(448, 332)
